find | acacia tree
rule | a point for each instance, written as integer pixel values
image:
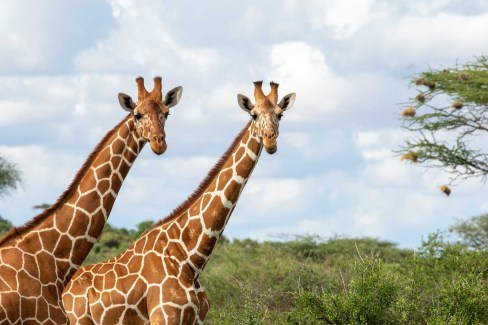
(9, 180)
(448, 120)
(9, 177)
(473, 232)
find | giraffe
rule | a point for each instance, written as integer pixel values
(38, 259)
(156, 280)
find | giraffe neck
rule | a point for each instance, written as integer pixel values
(69, 229)
(204, 218)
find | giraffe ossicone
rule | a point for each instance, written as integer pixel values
(38, 259)
(156, 280)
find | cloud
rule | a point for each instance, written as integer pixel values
(61, 108)
(34, 99)
(303, 69)
(345, 18)
(325, 96)
(408, 42)
(415, 37)
(42, 40)
(143, 45)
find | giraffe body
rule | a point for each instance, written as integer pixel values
(38, 259)
(156, 280)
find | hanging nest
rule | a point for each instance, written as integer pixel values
(464, 76)
(430, 84)
(410, 156)
(419, 81)
(420, 98)
(457, 104)
(408, 112)
(445, 189)
(424, 82)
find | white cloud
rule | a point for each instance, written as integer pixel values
(272, 198)
(385, 138)
(368, 224)
(17, 113)
(344, 17)
(144, 45)
(63, 106)
(34, 99)
(41, 39)
(427, 7)
(222, 100)
(438, 37)
(368, 138)
(326, 96)
(123, 7)
(303, 69)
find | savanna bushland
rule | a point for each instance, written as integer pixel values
(310, 280)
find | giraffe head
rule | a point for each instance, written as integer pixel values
(266, 113)
(151, 112)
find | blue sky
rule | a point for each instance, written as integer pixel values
(62, 65)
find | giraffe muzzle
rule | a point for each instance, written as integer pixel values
(270, 145)
(158, 145)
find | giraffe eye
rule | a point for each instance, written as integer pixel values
(166, 115)
(280, 116)
(254, 116)
(138, 116)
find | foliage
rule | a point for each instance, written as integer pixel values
(9, 177)
(5, 226)
(271, 274)
(310, 280)
(368, 297)
(473, 232)
(450, 114)
(439, 284)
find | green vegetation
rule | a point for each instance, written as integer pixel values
(473, 232)
(5, 226)
(113, 241)
(448, 120)
(309, 280)
(9, 181)
(346, 281)
(9, 177)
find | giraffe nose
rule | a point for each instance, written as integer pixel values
(269, 134)
(158, 137)
(270, 145)
(158, 143)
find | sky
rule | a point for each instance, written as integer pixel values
(335, 173)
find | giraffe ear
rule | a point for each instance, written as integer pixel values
(245, 103)
(287, 101)
(173, 97)
(126, 102)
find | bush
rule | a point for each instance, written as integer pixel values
(367, 298)
(438, 284)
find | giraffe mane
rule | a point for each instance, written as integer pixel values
(205, 183)
(18, 231)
